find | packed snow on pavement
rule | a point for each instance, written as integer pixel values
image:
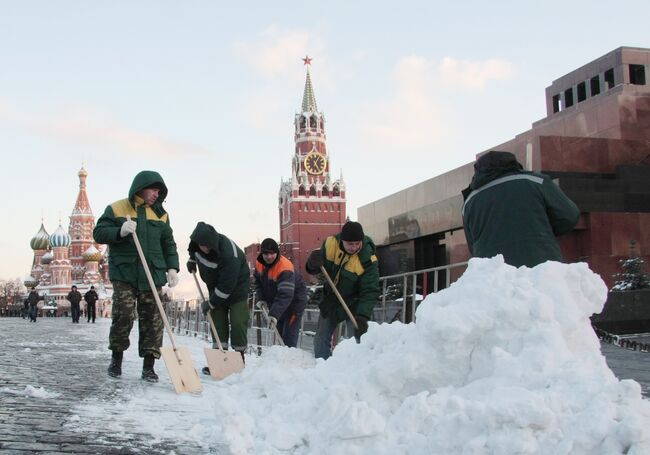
(504, 361)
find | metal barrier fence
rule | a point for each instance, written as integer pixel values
(400, 296)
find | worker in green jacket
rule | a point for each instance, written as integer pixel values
(143, 213)
(350, 261)
(515, 213)
(223, 267)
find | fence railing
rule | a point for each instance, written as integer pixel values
(400, 296)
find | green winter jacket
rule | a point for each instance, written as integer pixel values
(515, 213)
(356, 277)
(154, 232)
(224, 269)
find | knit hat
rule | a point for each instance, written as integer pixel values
(270, 246)
(352, 232)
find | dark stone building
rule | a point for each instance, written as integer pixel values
(595, 141)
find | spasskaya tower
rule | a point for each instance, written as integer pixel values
(311, 202)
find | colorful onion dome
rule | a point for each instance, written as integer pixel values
(60, 238)
(82, 172)
(92, 254)
(41, 241)
(47, 258)
(30, 282)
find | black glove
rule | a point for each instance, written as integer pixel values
(191, 266)
(362, 323)
(205, 307)
(314, 262)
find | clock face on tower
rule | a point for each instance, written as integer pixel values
(315, 163)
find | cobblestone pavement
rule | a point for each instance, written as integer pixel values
(48, 367)
(628, 364)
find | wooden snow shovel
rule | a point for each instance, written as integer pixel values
(278, 337)
(221, 363)
(340, 297)
(177, 358)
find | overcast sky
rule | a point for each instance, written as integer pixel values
(205, 93)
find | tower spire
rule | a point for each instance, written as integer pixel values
(308, 97)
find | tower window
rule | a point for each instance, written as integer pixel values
(609, 78)
(637, 74)
(336, 191)
(594, 84)
(582, 91)
(301, 190)
(556, 103)
(325, 191)
(568, 98)
(312, 191)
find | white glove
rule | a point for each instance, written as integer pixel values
(128, 227)
(272, 322)
(172, 278)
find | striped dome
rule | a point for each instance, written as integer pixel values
(41, 241)
(92, 254)
(30, 282)
(60, 238)
(47, 258)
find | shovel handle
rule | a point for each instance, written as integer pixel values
(338, 295)
(275, 329)
(212, 327)
(154, 291)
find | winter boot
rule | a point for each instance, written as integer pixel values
(147, 369)
(206, 371)
(243, 359)
(115, 368)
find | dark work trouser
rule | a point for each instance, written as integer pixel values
(127, 300)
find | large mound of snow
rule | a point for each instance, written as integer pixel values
(502, 362)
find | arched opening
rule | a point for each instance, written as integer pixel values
(326, 191)
(336, 191)
(312, 190)
(301, 190)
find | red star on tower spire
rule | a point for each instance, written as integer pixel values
(307, 60)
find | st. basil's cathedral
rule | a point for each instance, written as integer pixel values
(64, 259)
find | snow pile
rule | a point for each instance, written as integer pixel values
(31, 391)
(504, 361)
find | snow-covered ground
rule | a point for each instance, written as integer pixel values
(502, 362)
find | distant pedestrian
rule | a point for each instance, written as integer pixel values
(33, 299)
(514, 212)
(349, 258)
(131, 290)
(25, 313)
(222, 266)
(282, 289)
(91, 299)
(74, 297)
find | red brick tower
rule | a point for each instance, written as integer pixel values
(311, 203)
(82, 223)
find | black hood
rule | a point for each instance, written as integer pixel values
(205, 234)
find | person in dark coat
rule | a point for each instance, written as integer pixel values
(350, 261)
(91, 299)
(515, 213)
(33, 299)
(26, 309)
(282, 289)
(74, 297)
(142, 212)
(223, 268)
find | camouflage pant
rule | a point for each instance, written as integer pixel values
(129, 303)
(232, 322)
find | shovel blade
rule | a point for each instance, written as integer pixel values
(223, 363)
(181, 369)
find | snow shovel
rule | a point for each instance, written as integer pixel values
(277, 337)
(177, 358)
(338, 296)
(221, 363)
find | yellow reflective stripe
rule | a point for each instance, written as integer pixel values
(123, 208)
(335, 254)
